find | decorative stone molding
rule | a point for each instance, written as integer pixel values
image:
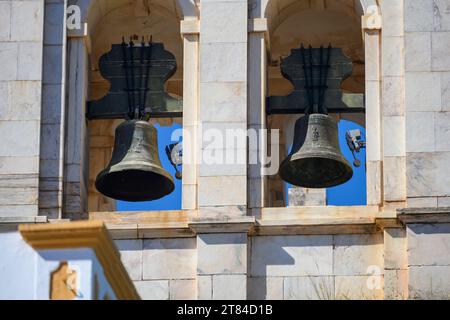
(84, 234)
(230, 225)
(190, 27)
(19, 220)
(424, 215)
(83, 32)
(265, 221)
(258, 25)
(372, 20)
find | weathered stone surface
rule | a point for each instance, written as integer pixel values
(357, 254)
(224, 21)
(265, 288)
(443, 202)
(441, 15)
(292, 256)
(422, 140)
(395, 284)
(212, 190)
(153, 290)
(8, 52)
(423, 91)
(183, 289)
(359, 287)
(54, 21)
(418, 51)
(442, 128)
(219, 62)
(429, 282)
(393, 97)
(5, 20)
(222, 253)
(428, 244)
(309, 288)
(395, 256)
(14, 143)
(422, 202)
(18, 98)
(204, 287)
(30, 61)
(440, 59)
(223, 101)
(27, 19)
(229, 287)
(445, 86)
(53, 69)
(131, 255)
(426, 174)
(169, 258)
(394, 171)
(394, 126)
(419, 15)
(393, 51)
(392, 18)
(19, 165)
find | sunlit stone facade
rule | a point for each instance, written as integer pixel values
(236, 237)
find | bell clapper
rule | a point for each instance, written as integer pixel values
(174, 153)
(355, 144)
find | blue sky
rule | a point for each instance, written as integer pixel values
(351, 193)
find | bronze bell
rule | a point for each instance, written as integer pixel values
(316, 160)
(135, 172)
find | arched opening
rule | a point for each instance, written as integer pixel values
(316, 23)
(108, 22)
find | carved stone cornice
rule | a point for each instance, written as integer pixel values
(84, 234)
(424, 215)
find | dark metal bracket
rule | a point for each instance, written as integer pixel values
(137, 75)
(317, 74)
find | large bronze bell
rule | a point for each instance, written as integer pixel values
(316, 160)
(135, 172)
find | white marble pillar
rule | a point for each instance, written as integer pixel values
(222, 176)
(190, 34)
(372, 35)
(257, 91)
(53, 111)
(393, 102)
(76, 152)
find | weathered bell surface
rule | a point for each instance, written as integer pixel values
(135, 172)
(316, 160)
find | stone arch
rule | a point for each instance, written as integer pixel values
(282, 18)
(105, 22)
(186, 9)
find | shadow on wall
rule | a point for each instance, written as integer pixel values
(315, 266)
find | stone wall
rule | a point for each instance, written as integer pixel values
(429, 261)
(427, 69)
(234, 266)
(161, 269)
(21, 46)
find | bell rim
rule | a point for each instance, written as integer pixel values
(132, 167)
(348, 173)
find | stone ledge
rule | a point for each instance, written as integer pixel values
(22, 220)
(315, 226)
(227, 225)
(267, 221)
(84, 234)
(424, 215)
